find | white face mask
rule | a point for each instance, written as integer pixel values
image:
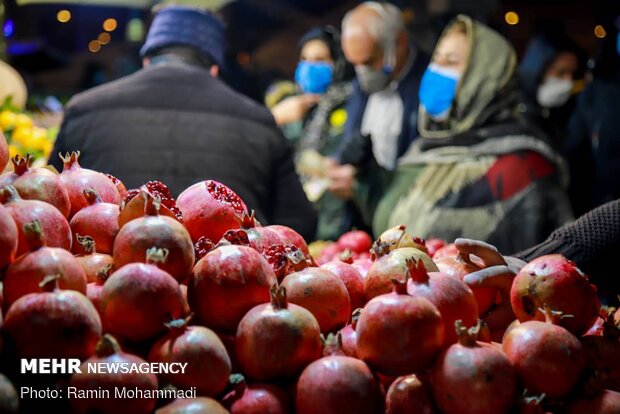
(554, 92)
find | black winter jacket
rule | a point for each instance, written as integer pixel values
(176, 123)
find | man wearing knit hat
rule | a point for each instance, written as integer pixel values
(177, 122)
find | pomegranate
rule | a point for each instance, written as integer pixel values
(397, 237)
(602, 356)
(391, 265)
(210, 209)
(453, 298)
(473, 377)
(139, 298)
(555, 281)
(278, 257)
(193, 406)
(398, 334)
(322, 293)
(52, 324)
(4, 152)
(449, 250)
(432, 245)
(208, 364)
(460, 266)
(53, 223)
(122, 190)
(37, 184)
(226, 284)
(256, 398)
(77, 179)
(607, 402)
(277, 339)
(94, 288)
(92, 263)
(349, 336)
(108, 351)
(338, 384)
(352, 281)
(290, 236)
(9, 238)
(137, 236)
(9, 402)
(548, 358)
(362, 266)
(133, 207)
(25, 274)
(357, 241)
(408, 395)
(202, 247)
(329, 253)
(260, 238)
(98, 220)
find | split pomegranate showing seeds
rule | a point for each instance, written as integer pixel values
(92, 262)
(277, 339)
(547, 358)
(136, 237)
(98, 220)
(37, 184)
(120, 186)
(226, 284)
(208, 364)
(52, 324)
(407, 395)
(260, 238)
(52, 222)
(473, 377)
(290, 236)
(77, 179)
(555, 281)
(255, 398)
(357, 241)
(154, 189)
(399, 334)
(108, 352)
(138, 299)
(9, 237)
(210, 209)
(25, 274)
(336, 385)
(278, 256)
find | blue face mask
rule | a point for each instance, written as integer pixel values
(437, 90)
(314, 77)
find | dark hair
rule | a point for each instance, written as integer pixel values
(185, 53)
(331, 37)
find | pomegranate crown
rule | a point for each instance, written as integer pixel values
(107, 346)
(379, 248)
(346, 257)
(157, 256)
(416, 270)
(8, 194)
(91, 195)
(178, 326)
(249, 221)
(87, 243)
(70, 159)
(21, 164)
(104, 273)
(33, 232)
(151, 204)
(278, 297)
(467, 336)
(49, 283)
(553, 316)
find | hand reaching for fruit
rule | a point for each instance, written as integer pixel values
(497, 272)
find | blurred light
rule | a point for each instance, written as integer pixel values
(599, 31)
(63, 16)
(135, 30)
(94, 46)
(9, 28)
(511, 18)
(243, 58)
(109, 25)
(104, 38)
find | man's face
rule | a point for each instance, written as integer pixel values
(361, 49)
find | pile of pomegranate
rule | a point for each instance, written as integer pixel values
(93, 271)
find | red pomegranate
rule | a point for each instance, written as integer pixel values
(94, 288)
(202, 247)
(9, 238)
(226, 284)
(139, 235)
(122, 190)
(555, 281)
(433, 245)
(138, 299)
(37, 184)
(473, 377)
(77, 179)
(391, 265)
(54, 224)
(256, 398)
(602, 354)
(193, 406)
(108, 352)
(9, 402)
(279, 257)
(98, 220)
(453, 298)
(607, 402)
(349, 336)
(460, 266)
(328, 253)
(277, 339)
(132, 206)
(352, 281)
(449, 250)
(290, 236)
(208, 365)
(92, 262)
(548, 358)
(260, 238)
(408, 395)
(210, 209)
(322, 293)
(362, 265)
(398, 334)
(4, 152)
(25, 274)
(338, 384)
(52, 324)
(357, 241)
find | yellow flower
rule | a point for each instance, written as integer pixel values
(38, 140)
(22, 136)
(7, 119)
(13, 150)
(23, 120)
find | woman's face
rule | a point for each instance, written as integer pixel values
(564, 66)
(316, 51)
(452, 52)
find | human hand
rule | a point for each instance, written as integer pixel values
(341, 178)
(294, 108)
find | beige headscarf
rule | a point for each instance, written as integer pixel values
(13, 85)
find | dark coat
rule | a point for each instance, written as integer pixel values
(175, 123)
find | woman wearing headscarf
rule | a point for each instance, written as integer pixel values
(477, 170)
